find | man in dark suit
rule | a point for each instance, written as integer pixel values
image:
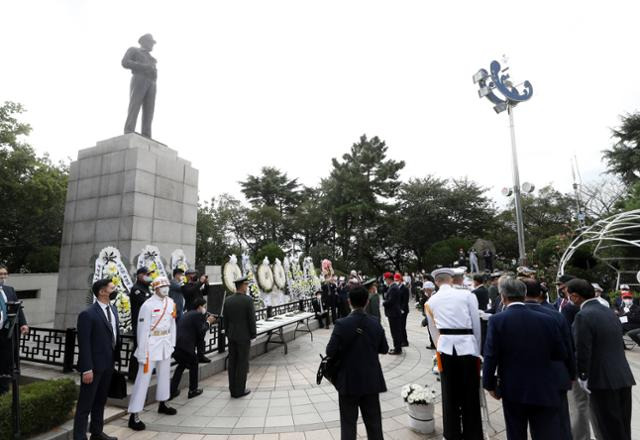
(357, 340)
(191, 329)
(405, 296)
(329, 292)
(603, 370)
(526, 380)
(565, 372)
(240, 328)
(98, 346)
(393, 310)
(196, 287)
(319, 305)
(7, 294)
(175, 292)
(481, 292)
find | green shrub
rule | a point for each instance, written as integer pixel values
(43, 406)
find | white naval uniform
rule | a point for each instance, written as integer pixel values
(158, 345)
(454, 308)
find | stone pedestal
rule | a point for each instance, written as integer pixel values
(127, 192)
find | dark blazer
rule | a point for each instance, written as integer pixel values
(393, 302)
(239, 318)
(193, 290)
(191, 329)
(10, 292)
(524, 364)
(569, 312)
(483, 297)
(329, 292)
(139, 294)
(599, 348)
(404, 295)
(175, 293)
(95, 337)
(316, 305)
(360, 372)
(565, 371)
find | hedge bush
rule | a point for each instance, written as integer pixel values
(44, 405)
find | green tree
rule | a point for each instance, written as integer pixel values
(310, 222)
(359, 192)
(434, 209)
(273, 198)
(32, 196)
(220, 230)
(269, 250)
(623, 158)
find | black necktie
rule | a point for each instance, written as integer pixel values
(113, 339)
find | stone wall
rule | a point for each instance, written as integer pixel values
(127, 192)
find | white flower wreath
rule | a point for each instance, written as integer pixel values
(230, 273)
(265, 276)
(278, 275)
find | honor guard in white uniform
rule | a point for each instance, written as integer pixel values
(156, 341)
(454, 324)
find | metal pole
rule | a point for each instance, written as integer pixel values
(516, 190)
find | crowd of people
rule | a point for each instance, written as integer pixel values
(558, 368)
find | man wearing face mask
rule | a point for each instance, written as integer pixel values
(191, 328)
(156, 341)
(628, 313)
(98, 346)
(139, 294)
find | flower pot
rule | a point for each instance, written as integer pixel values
(421, 418)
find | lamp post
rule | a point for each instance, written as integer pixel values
(497, 87)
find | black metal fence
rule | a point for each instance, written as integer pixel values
(60, 348)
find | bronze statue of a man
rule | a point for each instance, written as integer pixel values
(143, 84)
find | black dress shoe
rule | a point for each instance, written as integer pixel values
(174, 394)
(204, 360)
(102, 436)
(395, 352)
(163, 408)
(194, 393)
(244, 393)
(135, 423)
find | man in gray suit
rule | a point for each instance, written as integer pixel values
(603, 370)
(240, 328)
(143, 84)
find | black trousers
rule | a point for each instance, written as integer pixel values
(238, 366)
(5, 361)
(395, 325)
(404, 328)
(612, 409)
(133, 361)
(369, 407)
(92, 400)
(188, 361)
(323, 319)
(460, 382)
(334, 313)
(543, 421)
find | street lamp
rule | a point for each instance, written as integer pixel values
(497, 87)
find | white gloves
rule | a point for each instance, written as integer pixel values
(584, 384)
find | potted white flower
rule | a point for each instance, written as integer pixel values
(420, 403)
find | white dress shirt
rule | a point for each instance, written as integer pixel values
(454, 308)
(113, 319)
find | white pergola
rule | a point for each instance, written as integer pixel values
(611, 236)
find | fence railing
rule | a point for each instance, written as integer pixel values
(60, 348)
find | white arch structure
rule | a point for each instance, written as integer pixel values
(620, 231)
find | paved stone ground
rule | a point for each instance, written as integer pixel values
(286, 403)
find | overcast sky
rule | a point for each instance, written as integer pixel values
(291, 84)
